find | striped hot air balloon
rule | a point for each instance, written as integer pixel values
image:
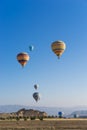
(23, 58)
(58, 48)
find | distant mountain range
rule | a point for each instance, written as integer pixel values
(49, 110)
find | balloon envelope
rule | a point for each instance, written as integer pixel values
(23, 58)
(36, 96)
(58, 47)
(60, 114)
(31, 48)
(36, 86)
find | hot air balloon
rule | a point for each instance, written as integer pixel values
(23, 58)
(58, 48)
(36, 96)
(36, 86)
(31, 47)
(60, 114)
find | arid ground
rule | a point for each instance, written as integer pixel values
(46, 124)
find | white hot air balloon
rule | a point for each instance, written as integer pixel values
(36, 96)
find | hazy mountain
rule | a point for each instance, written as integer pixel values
(49, 110)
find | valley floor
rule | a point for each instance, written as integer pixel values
(46, 124)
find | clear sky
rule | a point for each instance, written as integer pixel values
(40, 22)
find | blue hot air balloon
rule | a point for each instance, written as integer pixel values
(60, 114)
(31, 47)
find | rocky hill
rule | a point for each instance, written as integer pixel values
(28, 113)
(24, 113)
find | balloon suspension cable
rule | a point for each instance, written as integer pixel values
(22, 66)
(58, 57)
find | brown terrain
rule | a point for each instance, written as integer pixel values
(37, 120)
(57, 124)
(23, 113)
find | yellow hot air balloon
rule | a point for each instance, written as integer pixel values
(23, 58)
(58, 48)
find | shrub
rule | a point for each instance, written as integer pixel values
(32, 117)
(17, 118)
(25, 118)
(40, 118)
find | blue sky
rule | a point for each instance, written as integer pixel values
(61, 82)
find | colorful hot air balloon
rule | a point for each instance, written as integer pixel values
(36, 86)
(36, 96)
(23, 58)
(58, 48)
(31, 47)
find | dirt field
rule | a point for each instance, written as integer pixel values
(57, 124)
